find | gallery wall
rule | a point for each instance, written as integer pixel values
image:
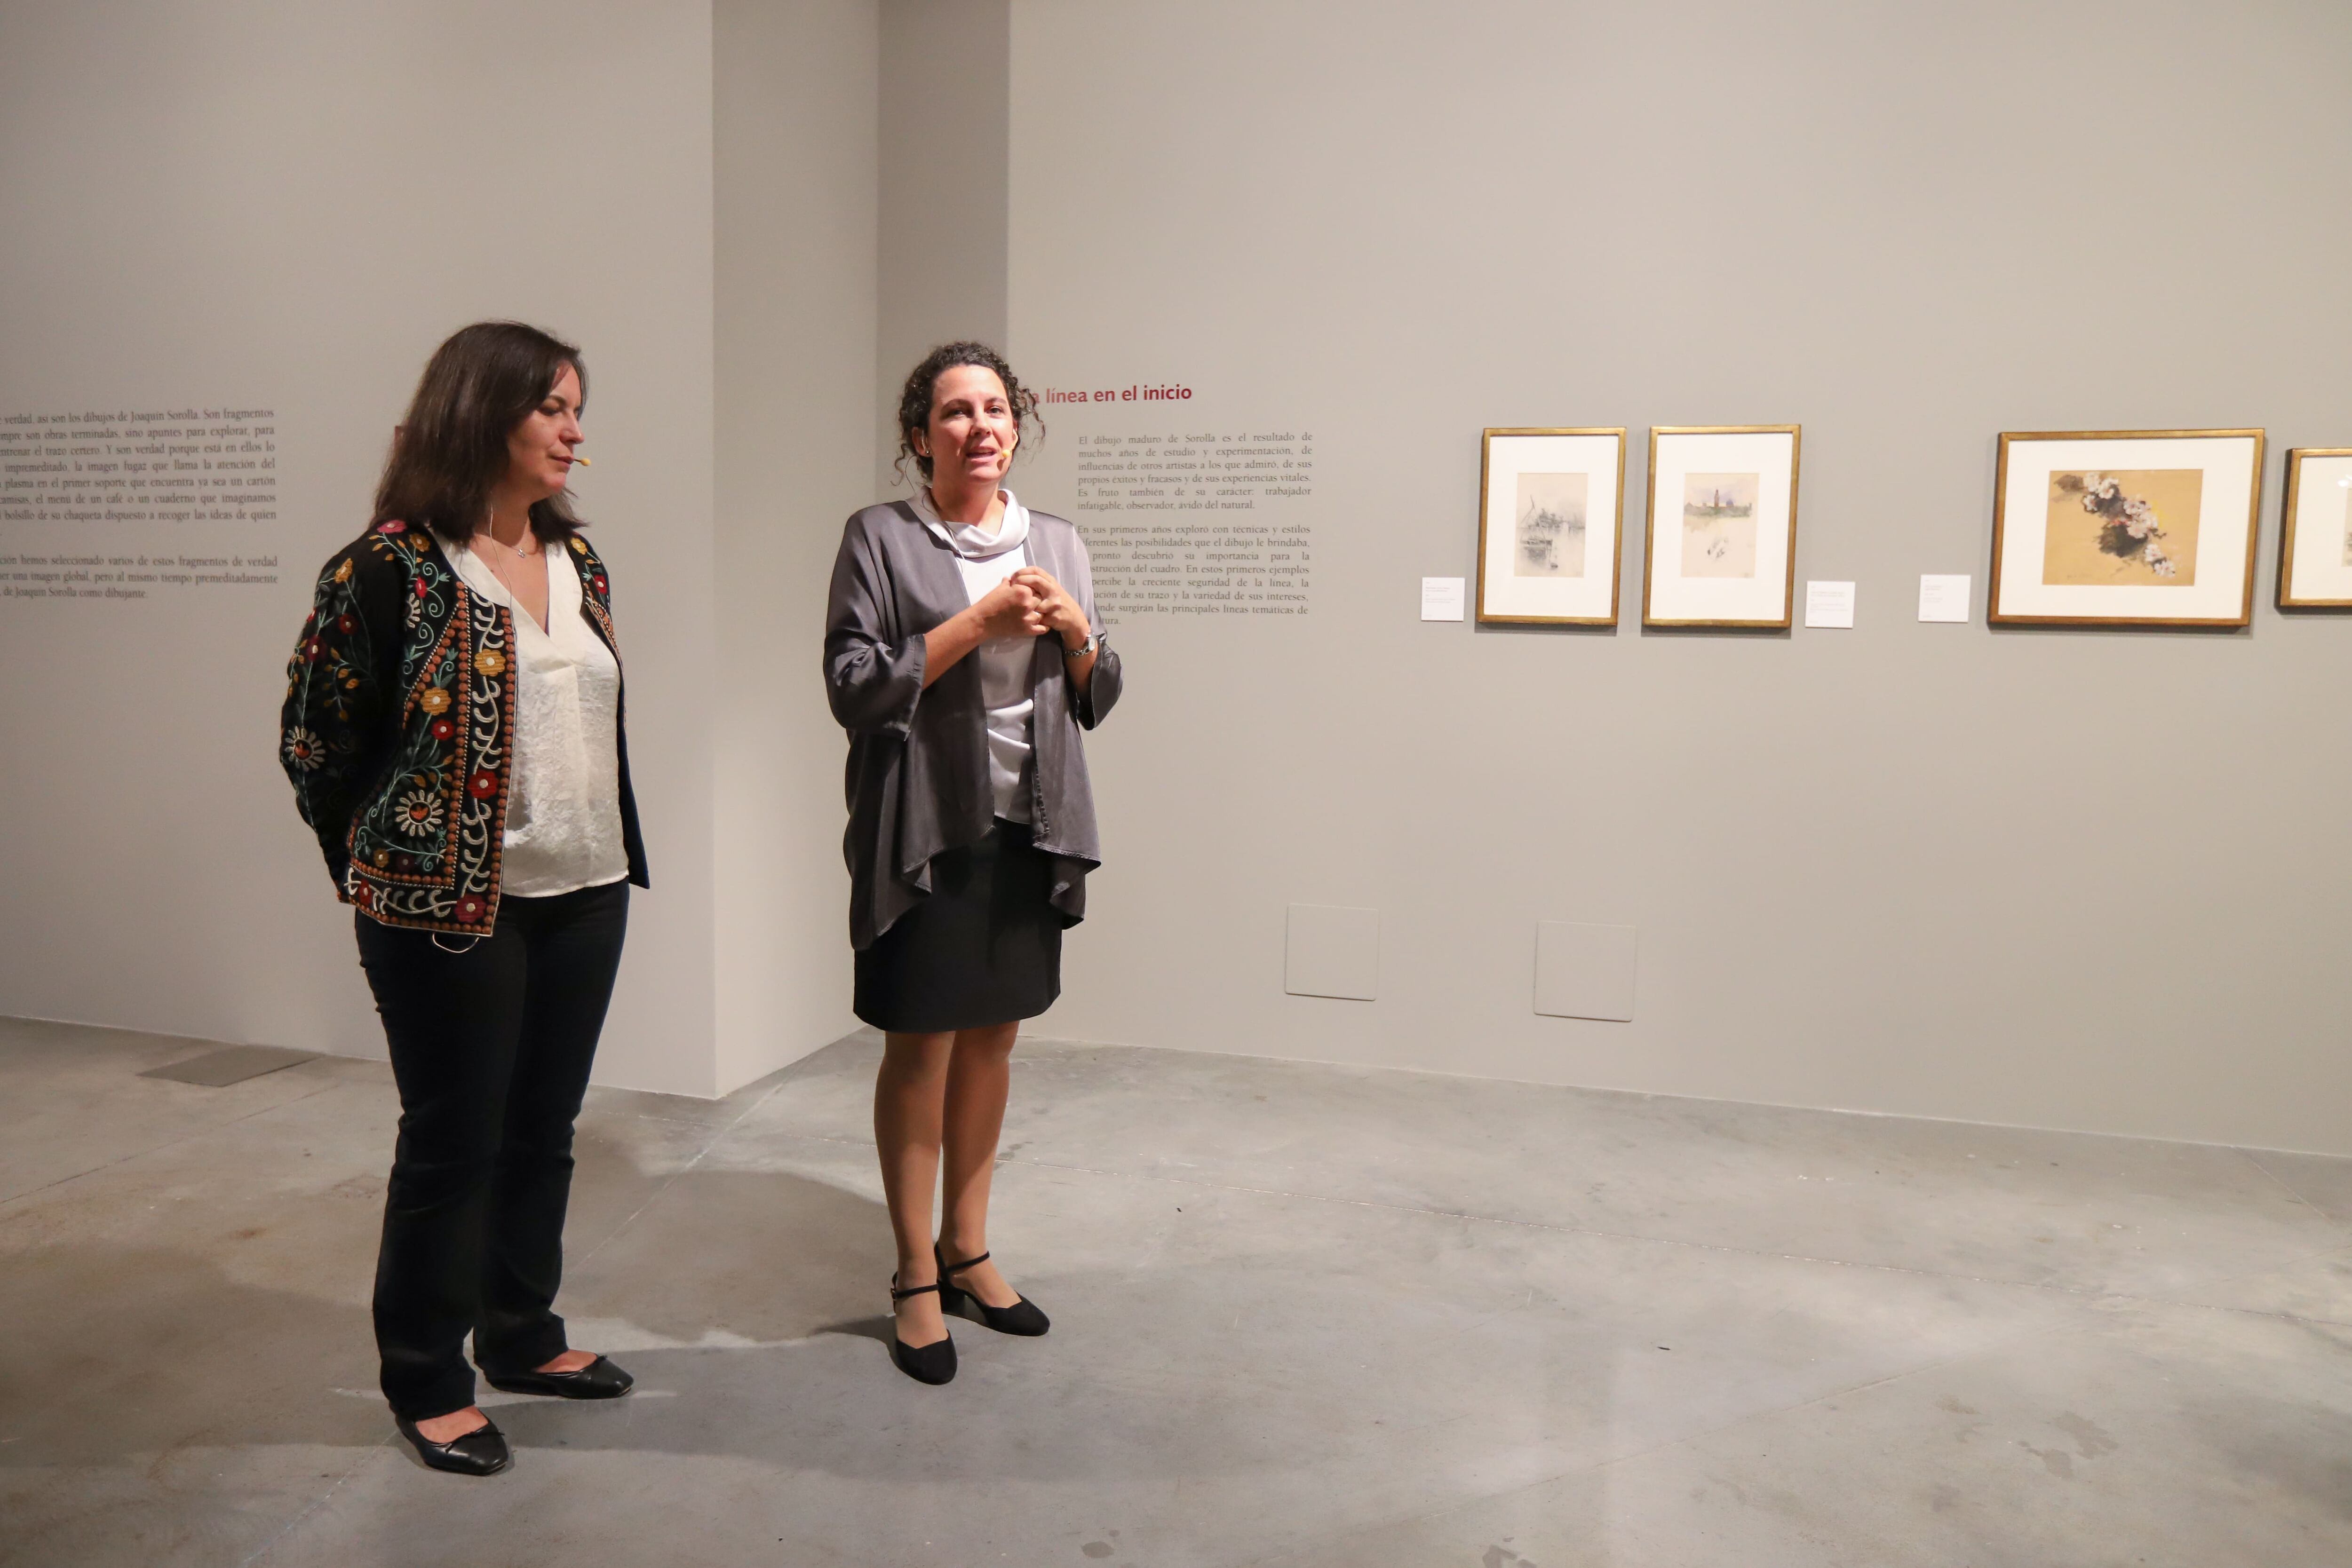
(2081, 879)
(286, 206)
(2092, 880)
(797, 185)
(282, 207)
(946, 138)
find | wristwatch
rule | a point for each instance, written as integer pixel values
(1092, 642)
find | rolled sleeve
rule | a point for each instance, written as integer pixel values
(1102, 687)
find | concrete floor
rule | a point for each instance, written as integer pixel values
(1304, 1316)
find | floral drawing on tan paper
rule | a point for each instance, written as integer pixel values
(2125, 527)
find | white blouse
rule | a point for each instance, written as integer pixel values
(563, 808)
(983, 561)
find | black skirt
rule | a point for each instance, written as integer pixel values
(985, 949)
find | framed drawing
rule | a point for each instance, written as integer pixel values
(2316, 539)
(2125, 528)
(1720, 546)
(1549, 502)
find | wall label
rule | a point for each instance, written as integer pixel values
(125, 505)
(1199, 520)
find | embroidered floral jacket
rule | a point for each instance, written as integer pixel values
(398, 729)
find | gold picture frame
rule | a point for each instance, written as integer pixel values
(1763, 597)
(2325, 573)
(2155, 547)
(1522, 581)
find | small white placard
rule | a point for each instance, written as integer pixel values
(1829, 604)
(1943, 597)
(1442, 597)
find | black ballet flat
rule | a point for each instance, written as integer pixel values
(932, 1363)
(600, 1379)
(1022, 1317)
(480, 1452)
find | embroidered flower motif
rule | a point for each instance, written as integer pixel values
(443, 730)
(383, 859)
(345, 623)
(435, 699)
(420, 814)
(344, 573)
(469, 909)
(422, 588)
(394, 527)
(599, 581)
(492, 662)
(579, 545)
(314, 649)
(484, 784)
(362, 893)
(303, 750)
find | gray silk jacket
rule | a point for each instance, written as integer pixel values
(917, 779)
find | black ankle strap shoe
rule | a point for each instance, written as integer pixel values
(1023, 1317)
(932, 1363)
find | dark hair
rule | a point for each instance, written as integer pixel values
(451, 451)
(915, 402)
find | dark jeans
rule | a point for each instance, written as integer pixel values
(491, 1046)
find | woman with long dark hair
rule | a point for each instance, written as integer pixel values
(453, 729)
(963, 654)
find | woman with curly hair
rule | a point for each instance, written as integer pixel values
(453, 731)
(963, 656)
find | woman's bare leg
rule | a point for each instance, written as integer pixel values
(979, 1077)
(909, 1095)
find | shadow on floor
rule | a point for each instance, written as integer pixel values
(112, 1351)
(880, 1329)
(2299, 1448)
(739, 1255)
(769, 1285)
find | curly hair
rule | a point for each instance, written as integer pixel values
(452, 447)
(915, 400)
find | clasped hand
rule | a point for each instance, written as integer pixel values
(1030, 603)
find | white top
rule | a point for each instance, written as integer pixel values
(564, 801)
(984, 560)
